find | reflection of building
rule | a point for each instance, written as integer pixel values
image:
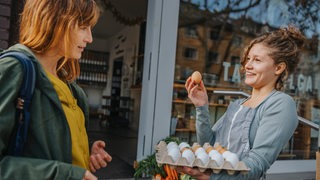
(212, 45)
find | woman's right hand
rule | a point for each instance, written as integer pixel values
(89, 176)
(197, 93)
(193, 172)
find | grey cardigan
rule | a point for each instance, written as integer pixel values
(272, 127)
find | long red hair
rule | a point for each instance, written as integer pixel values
(43, 23)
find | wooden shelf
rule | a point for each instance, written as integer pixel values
(189, 102)
(286, 156)
(181, 86)
(185, 130)
(219, 105)
(94, 67)
(181, 101)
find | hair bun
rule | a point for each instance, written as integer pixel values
(294, 34)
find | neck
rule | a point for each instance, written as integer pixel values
(257, 96)
(49, 61)
(262, 92)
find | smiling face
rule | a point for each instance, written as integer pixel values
(81, 37)
(260, 70)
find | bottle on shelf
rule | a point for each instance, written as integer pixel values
(181, 123)
(192, 123)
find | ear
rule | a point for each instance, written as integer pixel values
(280, 68)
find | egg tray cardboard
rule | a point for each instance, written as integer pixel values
(162, 157)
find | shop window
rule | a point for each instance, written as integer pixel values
(190, 53)
(191, 31)
(235, 60)
(212, 58)
(214, 34)
(237, 41)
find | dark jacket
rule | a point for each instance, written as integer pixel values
(47, 154)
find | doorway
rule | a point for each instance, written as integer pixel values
(115, 119)
(120, 32)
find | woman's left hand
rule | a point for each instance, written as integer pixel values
(193, 172)
(99, 157)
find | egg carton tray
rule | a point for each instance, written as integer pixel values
(162, 157)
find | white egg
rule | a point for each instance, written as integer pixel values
(199, 150)
(204, 157)
(174, 153)
(232, 158)
(217, 157)
(225, 154)
(188, 154)
(172, 145)
(213, 151)
(183, 145)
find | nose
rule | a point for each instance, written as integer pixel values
(88, 37)
(248, 64)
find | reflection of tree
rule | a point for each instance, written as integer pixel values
(303, 13)
(306, 14)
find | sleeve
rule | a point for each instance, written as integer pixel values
(22, 167)
(31, 168)
(203, 127)
(278, 121)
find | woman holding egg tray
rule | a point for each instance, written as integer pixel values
(258, 127)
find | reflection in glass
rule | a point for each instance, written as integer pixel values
(211, 37)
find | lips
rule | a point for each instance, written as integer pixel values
(249, 74)
(81, 48)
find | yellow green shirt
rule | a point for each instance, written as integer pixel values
(76, 121)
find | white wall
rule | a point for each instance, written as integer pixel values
(130, 35)
(98, 44)
(129, 44)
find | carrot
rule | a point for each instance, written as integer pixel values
(168, 171)
(157, 177)
(175, 174)
(171, 172)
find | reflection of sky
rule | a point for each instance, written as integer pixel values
(273, 12)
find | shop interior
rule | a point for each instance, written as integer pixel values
(111, 76)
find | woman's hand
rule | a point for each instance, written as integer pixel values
(193, 172)
(99, 157)
(89, 176)
(197, 93)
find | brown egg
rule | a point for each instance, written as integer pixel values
(209, 149)
(196, 76)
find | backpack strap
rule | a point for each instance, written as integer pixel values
(19, 137)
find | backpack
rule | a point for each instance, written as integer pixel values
(19, 136)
